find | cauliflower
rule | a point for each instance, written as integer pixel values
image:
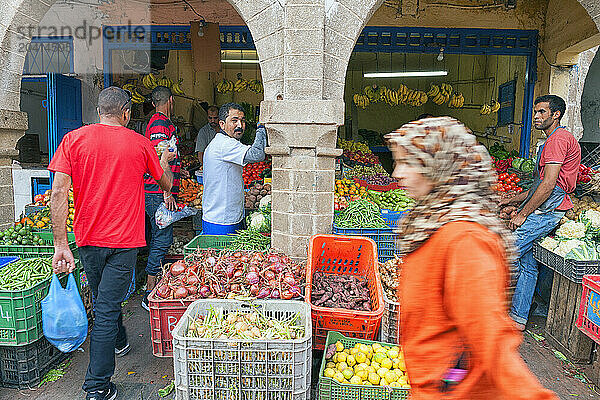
(571, 230)
(549, 243)
(568, 245)
(592, 217)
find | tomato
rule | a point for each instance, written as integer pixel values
(517, 179)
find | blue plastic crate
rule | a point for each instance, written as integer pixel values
(4, 261)
(392, 218)
(385, 239)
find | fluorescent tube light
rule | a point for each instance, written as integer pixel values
(240, 61)
(413, 74)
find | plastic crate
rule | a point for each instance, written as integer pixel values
(377, 188)
(21, 317)
(243, 369)
(164, 315)
(207, 242)
(330, 389)
(4, 261)
(24, 367)
(385, 239)
(571, 269)
(588, 320)
(392, 218)
(31, 209)
(32, 251)
(390, 323)
(357, 256)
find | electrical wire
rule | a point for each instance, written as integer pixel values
(193, 9)
(549, 63)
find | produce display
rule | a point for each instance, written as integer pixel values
(360, 171)
(20, 235)
(240, 325)
(501, 165)
(41, 219)
(395, 200)
(499, 152)
(526, 165)
(257, 237)
(256, 194)
(366, 364)
(585, 174)
(190, 193)
(373, 138)
(177, 246)
(360, 214)
(349, 145)
(489, 108)
(439, 95)
(346, 191)
(42, 199)
(378, 179)
(190, 161)
(508, 183)
(256, 172)
(579, 206)
(390, 274)
(232, 274)
(340, 291)
(240, 85)
(360, 157)
(25, 274)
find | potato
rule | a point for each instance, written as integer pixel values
(267, 187)
(258, 186)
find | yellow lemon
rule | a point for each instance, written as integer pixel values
(375, 346)
(330, 365)
(355, 380)
(353, 351)
(350, 360)
(329, 373)
(407, 386)
(341, 357)
(341, 366)
(339, 346)
(371, 369)
(374, 378)
(382, 371)
(359, 367)
(334, 358)
(369, 349)
(375, 365)
(402, 365)
(363, 365)
(395, 384)
(362, 374)
(339, 377)
(378, 357)
(383, 382)
(396, 363)
(367, 383)
(387, 363)
(348, 373)
(360, 357)
(403, 380)
(393, 353)
(390, 377)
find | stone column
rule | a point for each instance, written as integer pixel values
(13, 125)
(302, 139)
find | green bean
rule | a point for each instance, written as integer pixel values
(25, 274)
(360, 214)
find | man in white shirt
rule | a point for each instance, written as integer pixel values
(208, 131)
(224, 160)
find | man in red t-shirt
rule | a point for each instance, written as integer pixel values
(105, 163)
(545, 203)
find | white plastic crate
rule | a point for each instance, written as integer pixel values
(389, 320)
(210, 369)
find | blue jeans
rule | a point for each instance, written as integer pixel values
(109, 273)
(534, 227)
(160, 239)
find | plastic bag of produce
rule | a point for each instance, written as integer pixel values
(164, 217)
(64, 319)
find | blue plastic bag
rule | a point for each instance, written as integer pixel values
(63, 316)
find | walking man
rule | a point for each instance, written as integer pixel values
(105, 163)
(545, 203)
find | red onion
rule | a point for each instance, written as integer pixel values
(177, 268)
(273, 284)
(211, 260)
(192, 280)
(244, 258)
(275, 294)
(269, 275)
(192, 289)
(254, 290)
(252, 278)
(264, 292)
(205, 291)
(273, 258)
(237, 273)
(253, 269)
(237, 254)
(286, 295)
(230, 271)
(163, 291)
(180, 293)
(277, 267)
(289, 279)
(236, 288)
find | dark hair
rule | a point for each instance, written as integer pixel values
(160, 95)
(213, 108)
(113, 101)
(224, 110)
(556, 103)
(423, 116)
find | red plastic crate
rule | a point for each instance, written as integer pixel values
(344, 255)
(378, 188)
(588, 320)
(164, 315)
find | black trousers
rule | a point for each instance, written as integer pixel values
(109, 273)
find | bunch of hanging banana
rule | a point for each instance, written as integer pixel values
(416, 98)
(240, 85)
(225, 86)
(402, 94)
(457, 100)
(361, 100)
(391, 96)
(372, 92)
(176, 88)
(136, 97)
(436, 95)
(255, 86)
(164, 81)
(487, 109)
(150, 81)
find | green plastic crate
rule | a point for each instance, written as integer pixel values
(330, 389)
(207, 242)
(32, 251)
(21, 311)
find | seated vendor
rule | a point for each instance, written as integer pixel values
(224, 160)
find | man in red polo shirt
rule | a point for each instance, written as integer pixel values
(105, 163)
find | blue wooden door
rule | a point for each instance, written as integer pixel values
(64, 108)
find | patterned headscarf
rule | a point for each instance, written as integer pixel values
(447, 153)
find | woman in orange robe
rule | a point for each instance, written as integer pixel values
(458, 340)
